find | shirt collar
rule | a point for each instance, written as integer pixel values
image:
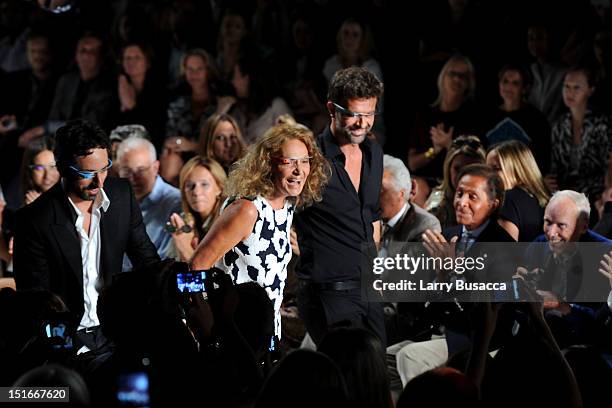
(156, 192)
(476, 232)
(331, 149)
(101, 201)
(395, 219)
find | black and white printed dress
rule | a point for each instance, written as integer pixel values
(264, 255)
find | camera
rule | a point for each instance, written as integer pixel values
(191, 281)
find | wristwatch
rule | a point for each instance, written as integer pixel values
(430, 153)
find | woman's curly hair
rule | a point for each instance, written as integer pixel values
(253, 174)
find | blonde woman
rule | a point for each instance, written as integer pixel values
(202, 181)
(221, 140)
(522, 214)
(282, 171)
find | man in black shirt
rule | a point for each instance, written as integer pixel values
(331, 233)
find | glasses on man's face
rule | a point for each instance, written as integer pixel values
(350, 114)
(293, 162)
(126, 172)
(89, 174)
(39, 168)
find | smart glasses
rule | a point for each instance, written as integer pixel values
(89, 174)
(294, 161)
(350, 114)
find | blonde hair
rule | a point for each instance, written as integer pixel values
(520, 169)
(253, 174)
(205, 146)
(458, 58)
(220, 178)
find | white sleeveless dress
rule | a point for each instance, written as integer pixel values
(264, 255)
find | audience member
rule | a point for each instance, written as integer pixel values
(359, 356)
(451, 115)
(257, 105)
(221, 140)
(39, 170)
(526, 196)
(87, 93)
(157, 199)
(545, 93)
(202, 182)
(306, 378)
(515, 119)
(581, 140)
(142, 98)
(464, 150)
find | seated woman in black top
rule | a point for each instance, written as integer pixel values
(522, 214)
(515, 119)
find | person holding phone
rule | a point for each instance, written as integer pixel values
(250, 240)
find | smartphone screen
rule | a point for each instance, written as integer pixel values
(191, 281)
(59, 335)
(133, 389)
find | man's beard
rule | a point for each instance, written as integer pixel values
(346, 134)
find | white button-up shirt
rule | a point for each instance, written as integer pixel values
(90, 257)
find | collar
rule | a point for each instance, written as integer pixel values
(395, 219)
(101, 200)
(476, 232)
(331, 149)
(156, 193)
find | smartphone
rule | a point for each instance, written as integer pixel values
(272, 344)
(133, 389)
(58, 334)
(191, 281)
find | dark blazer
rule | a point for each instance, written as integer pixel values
(99, 105)
(47, 246)
(498, 265)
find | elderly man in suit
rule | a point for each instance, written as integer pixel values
(479, 196)
(402, 221)
(72, 239)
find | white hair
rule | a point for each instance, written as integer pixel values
(400, 176)
(136, 142)
(581, 201)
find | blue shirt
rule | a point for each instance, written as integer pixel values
(156, 209)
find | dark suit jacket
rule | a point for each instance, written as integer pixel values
(99, 104)
(47, 246)
(497, 265)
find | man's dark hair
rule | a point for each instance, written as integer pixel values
(77, 138)
(353, 83)
(495, 185)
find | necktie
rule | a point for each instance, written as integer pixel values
(466, 241)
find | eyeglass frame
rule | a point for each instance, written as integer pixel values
(293, 161)
(90, 174)
(33, 167)
(132, 173)
(350, 114)
(463, 141)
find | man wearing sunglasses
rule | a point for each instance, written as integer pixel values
(331, 233)
(71, 240)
